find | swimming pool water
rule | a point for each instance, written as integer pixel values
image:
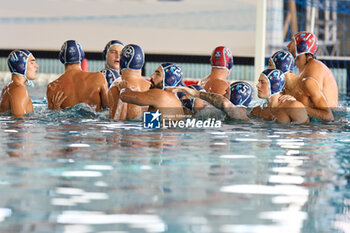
(77, 171)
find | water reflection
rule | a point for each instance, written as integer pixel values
(19, 138)
(100, 176)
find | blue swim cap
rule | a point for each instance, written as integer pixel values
(283, 60)
(17, 62)
(172, 75)
(132, 57)
(109, 45)
(241, 93)
(276, 80)
(71, 52)
(189, 103)
(111, 75)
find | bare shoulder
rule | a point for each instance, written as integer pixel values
(315, 69)
(13, 88)
(17, 91)
(218, 86)
(203, 81)
(292, 104)
(53, 85)
(97, 75)
(310, 84)
(220, 83)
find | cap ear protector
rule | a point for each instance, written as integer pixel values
(305, 42)
(301, 46)
(283, 60)
(172, 75)
(17, 62)
(276, 80)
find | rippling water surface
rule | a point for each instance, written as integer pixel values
(77, 171)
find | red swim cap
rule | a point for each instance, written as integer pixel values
(305, 42)
(222, 58)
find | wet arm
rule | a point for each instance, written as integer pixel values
(117, 109)
(298, 115)
(138, 98)
(222, 103)
(104, 95)
(320, 109)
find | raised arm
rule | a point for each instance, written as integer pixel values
(320, 109)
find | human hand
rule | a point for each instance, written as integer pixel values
(284, 98)
(188, 91)
(58, 99)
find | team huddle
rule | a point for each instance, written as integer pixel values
(120, 86)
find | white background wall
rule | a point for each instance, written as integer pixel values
(176, 27)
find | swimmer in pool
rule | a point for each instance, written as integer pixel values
(111, 54)
(319, 90)
(14, 96)
(234, 102)
(160, 96)
(270, 86)
(76, 85)
(132, 60)
(221, 61)
(283, 61)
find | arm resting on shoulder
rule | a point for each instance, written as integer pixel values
(320, 109)
(222, 103)
(149, 97)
